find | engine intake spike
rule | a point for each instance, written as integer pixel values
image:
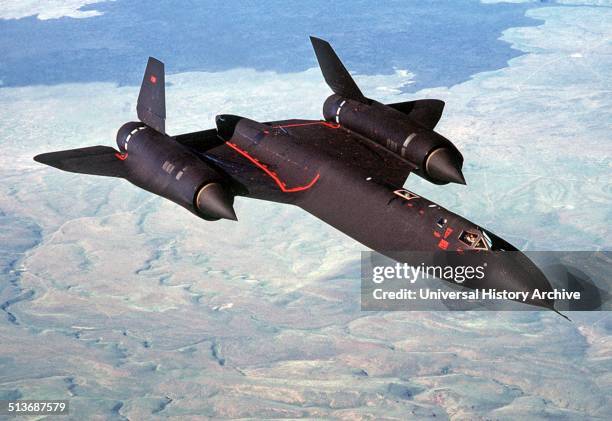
(443, 165)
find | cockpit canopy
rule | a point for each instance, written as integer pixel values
(475, 239)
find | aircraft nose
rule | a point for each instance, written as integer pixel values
(509, 269)
(514, 271)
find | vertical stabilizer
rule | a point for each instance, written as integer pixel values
(151, 106)
(334, 72)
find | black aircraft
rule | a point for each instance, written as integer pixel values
(347, 170)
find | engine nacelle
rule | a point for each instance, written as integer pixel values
(159, 164)
(437, 159)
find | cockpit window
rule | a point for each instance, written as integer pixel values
(441, 222)
(487, 239)
(473, 240)
(408, 195)
(480, 245)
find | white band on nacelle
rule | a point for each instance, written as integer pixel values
(406, 143)
(338, 111)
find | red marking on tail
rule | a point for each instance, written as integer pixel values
(153, 79)
(281, 184)
(121, 156)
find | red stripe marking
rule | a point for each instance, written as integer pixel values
(436, 234)
(282, 185)
(324, 123)
(448, 232)
(121, 156)
(330, 125)
(443, 244)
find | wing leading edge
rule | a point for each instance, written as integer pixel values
(94, 160)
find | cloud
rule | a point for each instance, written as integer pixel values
(47, 9)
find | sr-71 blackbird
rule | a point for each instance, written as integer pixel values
(347, 170)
